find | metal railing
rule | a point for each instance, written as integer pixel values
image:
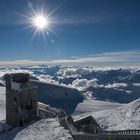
(124, 132)
(104, 135)
(83, 136)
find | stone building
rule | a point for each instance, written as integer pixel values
(21, 99)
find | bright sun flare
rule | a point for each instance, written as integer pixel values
(40, 22)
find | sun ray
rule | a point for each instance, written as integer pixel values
(37, 20)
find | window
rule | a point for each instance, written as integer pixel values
(15, 100)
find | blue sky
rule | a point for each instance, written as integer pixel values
(89, 31)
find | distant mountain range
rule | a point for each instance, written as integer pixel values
(116, 84)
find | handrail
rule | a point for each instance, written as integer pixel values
(124, 132)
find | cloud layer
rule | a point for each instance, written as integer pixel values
(128, 57)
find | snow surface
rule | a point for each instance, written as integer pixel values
(15, 86)
(2, 103)
(46, 129)
(125, 117)
(2, 82)
(89, 105)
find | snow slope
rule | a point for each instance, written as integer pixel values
(47, 129)
(89, 105)
(2, 83)
(2, 103)
(122, 118)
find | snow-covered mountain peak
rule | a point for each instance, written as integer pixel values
(121, 118)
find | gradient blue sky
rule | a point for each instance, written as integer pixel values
(93, 31)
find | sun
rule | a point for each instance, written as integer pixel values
(40, 22)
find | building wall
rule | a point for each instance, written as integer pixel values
(21, 105)
(58, 96)
(88, 125)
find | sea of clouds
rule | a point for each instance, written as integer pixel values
(101, 82)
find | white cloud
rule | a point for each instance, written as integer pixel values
(74, 72)
(47, 78)
(82, 84)
(136, 84)
(115, 57)
(116, 85)
(7, 70)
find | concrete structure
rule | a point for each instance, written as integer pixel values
(46, 111)
(88, 129)
(88, 125)
(21, 99)
(58, 96)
